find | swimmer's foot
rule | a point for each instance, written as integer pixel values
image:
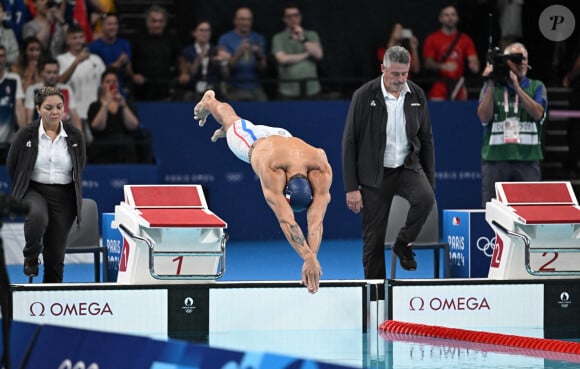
(219, 133)
(201, 111)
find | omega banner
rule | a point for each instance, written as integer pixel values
(496, 307)
(544, 308)
(217, 314)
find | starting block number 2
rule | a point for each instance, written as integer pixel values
(554, 261)
(542, 262)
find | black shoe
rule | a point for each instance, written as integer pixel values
(31, 267)
(406, 256)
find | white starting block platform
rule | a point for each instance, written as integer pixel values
(537, 226)
(169, 235)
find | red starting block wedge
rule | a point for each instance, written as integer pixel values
(537, 227)
(170, 235)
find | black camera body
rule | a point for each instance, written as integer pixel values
(501, 70)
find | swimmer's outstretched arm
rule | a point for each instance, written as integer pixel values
(320, 181)
(311, 269)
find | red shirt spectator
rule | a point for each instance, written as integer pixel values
(446, 51)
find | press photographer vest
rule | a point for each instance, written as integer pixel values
(529, 147)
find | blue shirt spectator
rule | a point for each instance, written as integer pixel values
(17, 13)
(248, 58)
(114, 51)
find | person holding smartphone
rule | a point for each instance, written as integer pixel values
(113, 123)
(401, 36)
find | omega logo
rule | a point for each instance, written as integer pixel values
(472, 303)
(75, 309)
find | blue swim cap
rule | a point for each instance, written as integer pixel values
(298, 193)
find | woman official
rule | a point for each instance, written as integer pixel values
(45, 163)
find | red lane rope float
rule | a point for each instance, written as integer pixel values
(483, 347)
(530, 343)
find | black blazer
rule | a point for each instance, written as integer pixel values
(364, 137)
(24, 151)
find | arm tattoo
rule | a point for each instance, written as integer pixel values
(296, 234)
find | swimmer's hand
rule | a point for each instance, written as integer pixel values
(311, 272)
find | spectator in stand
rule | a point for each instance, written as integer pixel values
(77, 13)
(8, 39)
(248, 58)
(202, 65)
(445, 52)
(48, 26)
(155, 58)
(11, 105)
(297, 51)
(81, 70)
(96, 9)
(16, 15)
(29, 62)
(401, 36)
(49, 74)
(114, 51)
(113, 123)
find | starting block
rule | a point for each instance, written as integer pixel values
(537, 227)
(169, 235)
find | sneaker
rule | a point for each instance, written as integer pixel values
(31, 267)
(406, 255)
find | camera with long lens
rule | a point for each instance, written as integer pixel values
(11, 206)
(501, 69)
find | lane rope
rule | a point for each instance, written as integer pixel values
(402, 329)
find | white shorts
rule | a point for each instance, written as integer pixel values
(243, 133)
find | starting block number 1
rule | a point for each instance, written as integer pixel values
(185, 265)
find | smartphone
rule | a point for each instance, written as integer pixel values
(406, 33)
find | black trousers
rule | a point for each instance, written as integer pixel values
(407, 183)
(46, 227)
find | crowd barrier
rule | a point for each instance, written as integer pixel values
(185, 155)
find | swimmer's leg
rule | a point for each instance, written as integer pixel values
(201, 110)
(223, 113)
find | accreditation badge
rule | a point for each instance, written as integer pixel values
(511, 130)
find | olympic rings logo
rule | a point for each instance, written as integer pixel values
(68, 364)
(486, 245)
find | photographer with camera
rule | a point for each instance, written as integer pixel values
(512, 109)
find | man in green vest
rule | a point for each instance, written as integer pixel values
(512, 109)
